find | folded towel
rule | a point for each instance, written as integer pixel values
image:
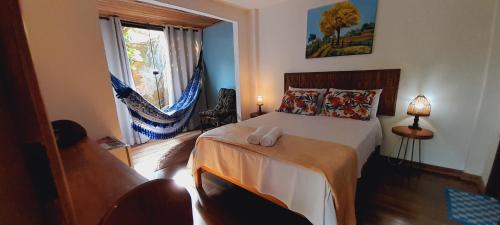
(271, 137)
(256, 136)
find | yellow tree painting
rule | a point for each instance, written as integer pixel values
(343, 28)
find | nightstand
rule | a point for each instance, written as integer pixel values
(414, 134)
(255, 114)
(117, 148)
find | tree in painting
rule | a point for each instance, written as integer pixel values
(343, 14)
(343, 28)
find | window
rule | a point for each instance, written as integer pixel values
(147, 52)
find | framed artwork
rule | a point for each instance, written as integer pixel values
(342, 28)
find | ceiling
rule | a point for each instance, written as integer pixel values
(253, 4)
(134, 11)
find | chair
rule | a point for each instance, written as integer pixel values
(157, 202)
(223, 113)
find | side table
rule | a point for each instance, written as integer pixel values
(407, 133)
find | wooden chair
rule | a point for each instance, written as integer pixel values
(152, 203)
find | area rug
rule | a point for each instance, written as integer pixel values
(472, 209)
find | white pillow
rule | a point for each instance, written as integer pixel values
(321, 96)
(376, 99)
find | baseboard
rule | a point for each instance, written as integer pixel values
(478, 180)
(459, 174)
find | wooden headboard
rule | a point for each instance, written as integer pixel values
(387, 79)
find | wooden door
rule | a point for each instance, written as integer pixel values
(32, 180)
(493, 187)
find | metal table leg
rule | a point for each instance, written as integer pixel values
(406, 149)
(412, 148)
(419, 154)
(400, 147)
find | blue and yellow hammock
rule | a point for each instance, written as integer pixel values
(164, 123)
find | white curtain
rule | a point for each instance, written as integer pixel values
(118, 65)
(184, 46)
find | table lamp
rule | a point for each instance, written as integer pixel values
(260, 102)
(419, 106)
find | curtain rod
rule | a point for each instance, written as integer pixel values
(142, 25)
(150, 26)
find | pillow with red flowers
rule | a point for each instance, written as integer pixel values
(352, 104)
(300, 102)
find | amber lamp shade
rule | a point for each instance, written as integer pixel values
(419, 106)
(260, 102)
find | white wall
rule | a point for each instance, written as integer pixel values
(68, 54)
(486, 135)
(69, 59)
(441, 47)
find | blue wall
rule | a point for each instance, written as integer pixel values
(218, 53)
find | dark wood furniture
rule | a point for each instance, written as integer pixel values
(43, 184)
(34, 188)
(117, 148)
(493, 186)
(96, 179)
(414, 134)
(387, 79)
(255, 114)
(157, 202)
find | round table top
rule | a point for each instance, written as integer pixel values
(405, 131)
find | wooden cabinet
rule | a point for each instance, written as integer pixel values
(34, 188)
(122, 154)
(96, 180)
(117, 148)
(41, 184)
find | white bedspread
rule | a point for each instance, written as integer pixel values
(303, 190)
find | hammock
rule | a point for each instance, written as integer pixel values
(164, 123)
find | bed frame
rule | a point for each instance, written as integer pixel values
(387, 79)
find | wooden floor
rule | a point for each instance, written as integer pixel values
(154, 158)
(386, 196)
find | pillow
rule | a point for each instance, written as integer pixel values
(352, 104)
(321, 97)
(300, 102)
(376, 99)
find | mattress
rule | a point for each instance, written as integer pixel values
(303, 190)
(362, 136)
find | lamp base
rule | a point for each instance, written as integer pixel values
(415, 126)
(260, 108)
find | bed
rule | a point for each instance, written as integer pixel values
(293, 186)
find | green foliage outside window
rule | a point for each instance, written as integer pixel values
(147, 52)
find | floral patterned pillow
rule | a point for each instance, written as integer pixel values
(352, 104)
(300, 102)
